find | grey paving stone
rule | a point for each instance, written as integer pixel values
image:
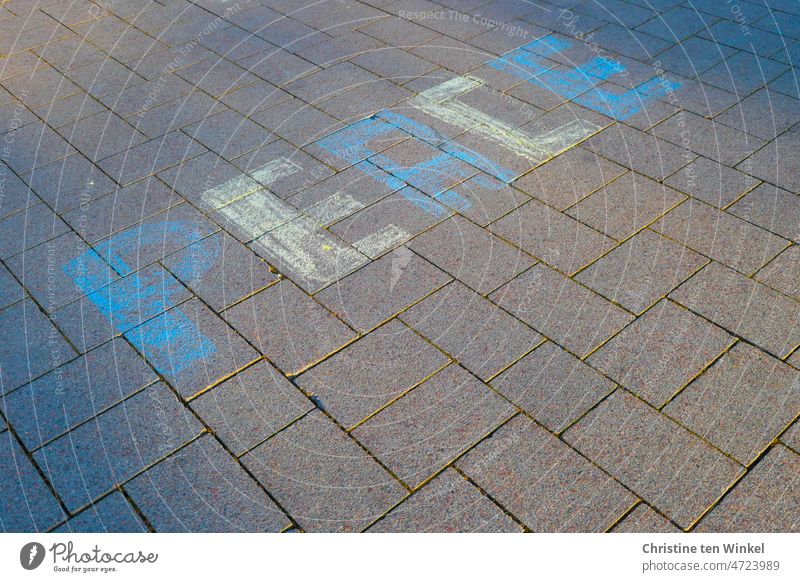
(380, 290)
(233, 43)
(326, 83)
(644, 520)
(116, 445)
(448, 504)
(639, 151)
(642, 270)
(765, 114)
(345, 193)
(711, 182)
(693, 56)
(426, 429)
(792, 437)
(553, 237)
(553, 386)
(201, 488)
(156, 62)
(743, 307)
(112, 514)
(208, 180)
(289, 327)
(322, 477)
(390, 222)
(10, 289)
(229, 134)
(483, 338)
(764, 501)
(771, 208)
(40, 270)
(671, 469)
(235, 273)
(144, 95)
(701, 98)
(37, 347)
(103, 77)
(482, 199)
(659, 353)
(343, 47)
(399, 32)
(223, 350)
(297, 122)
(253, 98)
(395, 64)
(259, 162)
(709, 138)
(101, 135)
(34, 145)
(69, 109)
(571, 315)
(27, 504)
(776, 162)
(277, 66)
(150, 157)
(371, 372)
(568, 178)
(720, 236)
(677, 23)
(744, 73)
(128, 301)
(216, 76)
(742, 403)
(251, 406)
(626, 205)
(75, 392)
(783, 272)
(28, 228)
(121, 209)
(69, 182)
(14, 115)
(41, 85)
(543, 482)
(472, 255)
(16, 193)
(173, 115)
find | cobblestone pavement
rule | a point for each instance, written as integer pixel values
(345, 265)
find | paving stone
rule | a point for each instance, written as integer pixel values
(553, 237)
(783, 272)
(144, 95)
(771, 208)
(765, 114)
(562, 310)
(27, 503)
(744, 73)
(175, 114)
(326, 83)
(103, 77)
(397, 65)
(667, 466)
(568, 178)
(709, 138)
(121, 209)
(254, 98)
(626, 205)
(156, 62)
(14, 115)
(75, 392)
(236, 272)
(482, 199)
(289, 327)
(10, 290)
(660, 352)
(216, 76)
(42, 85)
(234, 43)
(229, 134)
(69, 182)
(764, 501)
(470, 254)
(40, 270)
(16, 193)
(151, 157)
(792, 437)
(208, 180)
(740, 404)
(553, 386)
(277, 66)
(483, 338)
(447, 504)
(433, 424)
(720, 236)
(390, 222)
(201, 488)
(380, 290)
(69, 109)
(693, 56)
(116, 445)
(700, 98)
(644, 520)
(639, 151)
(677, 23)
(777, 162)
(543, 482)
(343, 47)
(251, 406)
(101, 135)
(642, 270)
(322, 477)
(112, 514)
(759, 42)
(399, 32)
(742, 306)
(34, 145)
(711, 182)
(28, 228)
(345, 193)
